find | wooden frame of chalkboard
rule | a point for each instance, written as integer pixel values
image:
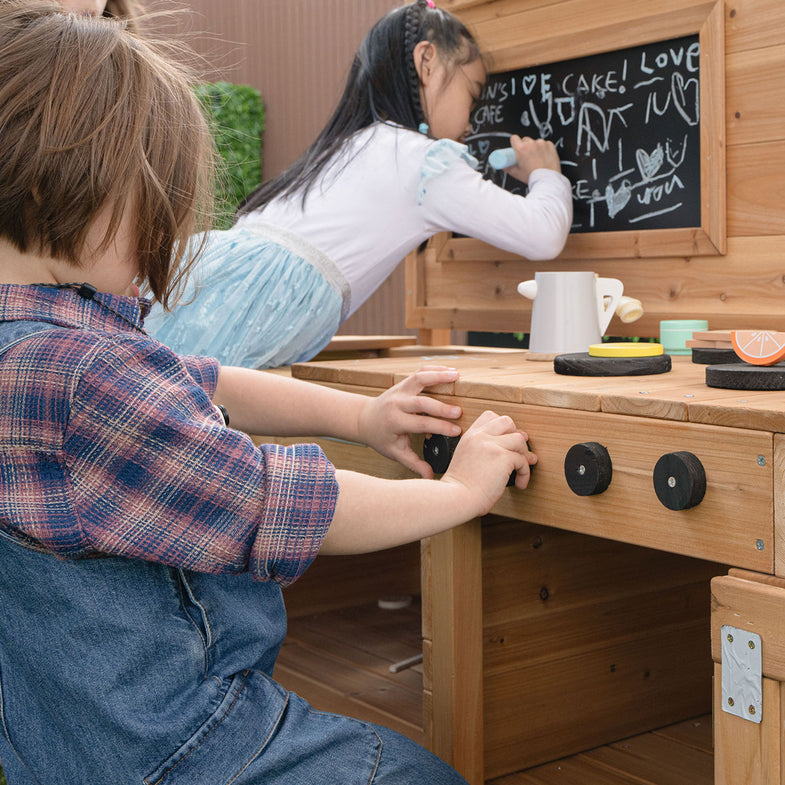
(706, 20)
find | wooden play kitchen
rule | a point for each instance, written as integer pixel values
(640, 580)
(540, 643)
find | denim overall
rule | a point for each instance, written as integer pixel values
(122, 672)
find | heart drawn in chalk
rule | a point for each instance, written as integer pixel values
(648, 164)
(686, 98)
(617, 200)
(484, 145)
(528, 83)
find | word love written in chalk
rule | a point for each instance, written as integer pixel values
(626, 125)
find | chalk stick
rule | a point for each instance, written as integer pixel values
(501, 159)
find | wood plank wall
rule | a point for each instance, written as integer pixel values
(297, 53)
(746, 287)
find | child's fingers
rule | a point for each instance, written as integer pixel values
(514, 442)
(409, 458)
(486, 417)
(522, 477)
(434, 367)
(422, 405)
(523, 459)
(494, 424)
(428, 425)
(430, 376)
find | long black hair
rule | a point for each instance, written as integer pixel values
(383, 85)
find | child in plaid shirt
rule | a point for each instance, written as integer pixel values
(143, 542)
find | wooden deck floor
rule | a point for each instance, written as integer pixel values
(339, 660)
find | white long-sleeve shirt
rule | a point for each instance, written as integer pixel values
(393, 188)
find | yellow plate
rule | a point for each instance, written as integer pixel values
(625, 349)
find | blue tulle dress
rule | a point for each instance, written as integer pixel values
(257, 298)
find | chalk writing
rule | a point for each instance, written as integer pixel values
(626, 125)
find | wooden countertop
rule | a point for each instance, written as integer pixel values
(680, 395)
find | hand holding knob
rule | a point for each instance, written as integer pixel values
(437, 450)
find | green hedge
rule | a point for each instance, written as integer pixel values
(236, 114)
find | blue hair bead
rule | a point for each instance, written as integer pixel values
(424, 128)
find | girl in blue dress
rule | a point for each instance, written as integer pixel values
(388, 171)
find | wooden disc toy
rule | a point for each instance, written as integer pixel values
(626, 349)
(742, 376)
(583, 364)
(710, 356)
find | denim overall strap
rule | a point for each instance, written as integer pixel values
(12, 333)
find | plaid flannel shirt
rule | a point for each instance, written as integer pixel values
(110, 445)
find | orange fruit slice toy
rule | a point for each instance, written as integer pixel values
(759, 347)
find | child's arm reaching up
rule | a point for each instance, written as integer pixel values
(265, 403)
(373, 514)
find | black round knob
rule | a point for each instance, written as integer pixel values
(679, 480)
(588, 468)
(437, 451)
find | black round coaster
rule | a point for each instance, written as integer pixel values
(746, 377)
(584, 364)
(715, 356)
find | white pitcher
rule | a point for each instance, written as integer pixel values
(571, 310)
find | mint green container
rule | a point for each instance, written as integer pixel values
(674, 334)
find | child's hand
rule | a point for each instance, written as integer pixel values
(385, 422)
(490, 450)
(532, 154)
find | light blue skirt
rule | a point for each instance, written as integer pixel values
(257, 299)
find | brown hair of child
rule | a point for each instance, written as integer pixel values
(95, 119)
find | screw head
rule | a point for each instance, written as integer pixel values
(581, 470)
(761, 460)
(751, 709)
(751, 644)
(671, 482)
(730, 701)
(730, 638)
(759, 545)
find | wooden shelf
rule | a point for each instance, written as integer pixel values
(680, 754)
(339, 661)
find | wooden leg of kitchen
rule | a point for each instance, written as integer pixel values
(749, 749)
(435, 337)
(452, 645)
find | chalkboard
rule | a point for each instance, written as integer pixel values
(626, 124)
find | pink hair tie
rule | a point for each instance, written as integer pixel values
(430, 3)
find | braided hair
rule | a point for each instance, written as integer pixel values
(382, 86)
(415, 16)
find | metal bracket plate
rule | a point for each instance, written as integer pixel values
(742, 674)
